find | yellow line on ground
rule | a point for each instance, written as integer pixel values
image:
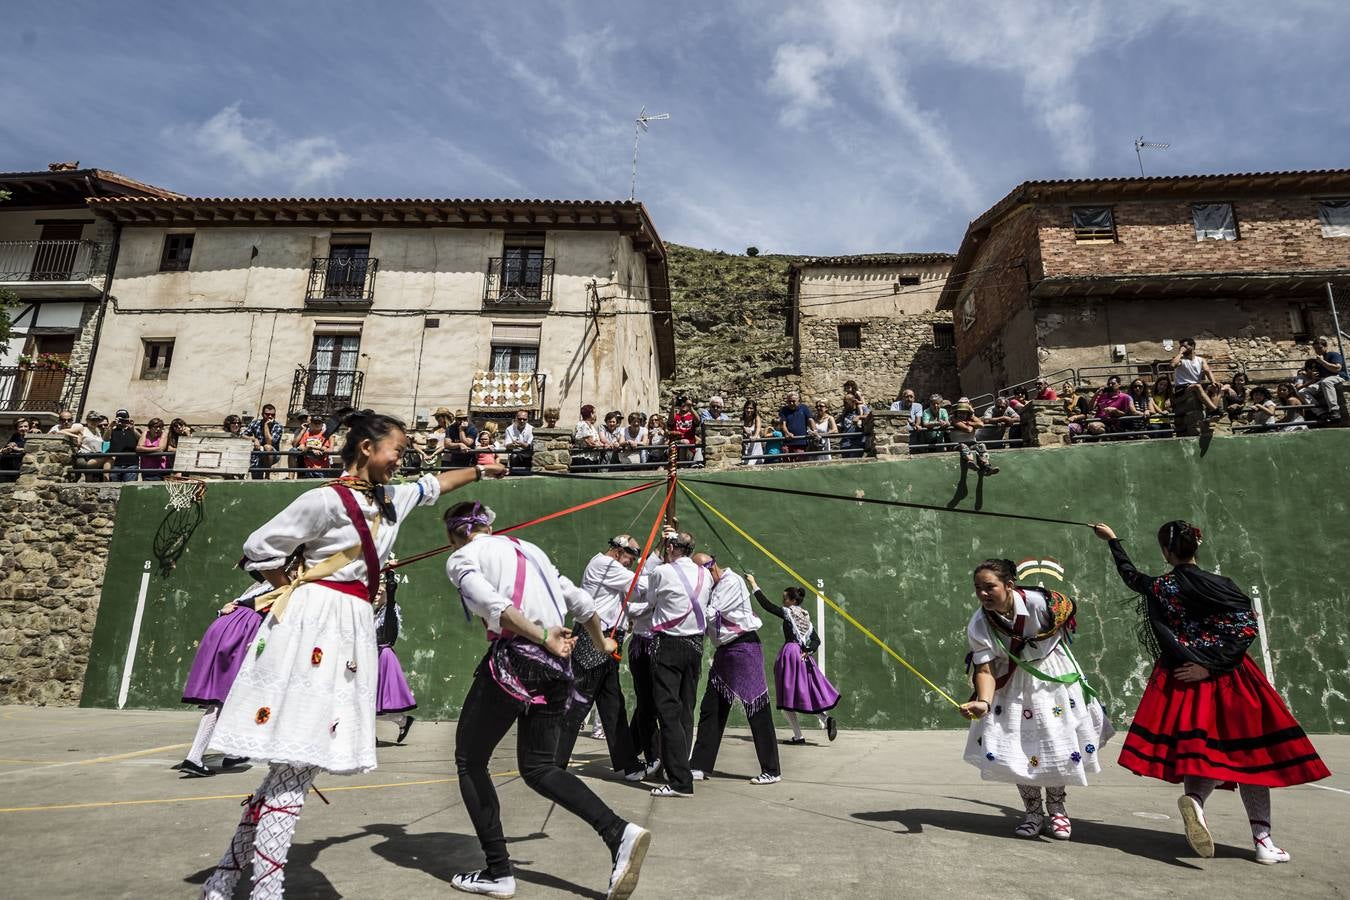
(101, 804)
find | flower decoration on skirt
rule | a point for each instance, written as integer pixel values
(262, 715)
(316, 656)
(1034, 761)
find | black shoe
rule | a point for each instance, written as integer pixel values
(230, 762)
(795, 741)
(831, 726)
(987, 470)
(194, 770)
(405, 728)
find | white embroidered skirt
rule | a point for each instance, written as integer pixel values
(1040, 732)
(305, 694)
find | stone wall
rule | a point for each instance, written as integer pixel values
(53, 554)
(896, 352)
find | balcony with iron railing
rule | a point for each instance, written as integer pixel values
(524, 283)
(324, 391)
(53, 267)
(32, 390)
(340, 282)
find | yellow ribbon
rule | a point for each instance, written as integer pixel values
(813, 589)
(277, 599)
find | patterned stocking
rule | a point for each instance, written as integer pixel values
(220, 886)
(1257, 801)
(278, 811)
(1054, 800)
(1199, 788)
(1031, 798)
(203, 738)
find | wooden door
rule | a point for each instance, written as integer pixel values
(54, 258)
(45, 387)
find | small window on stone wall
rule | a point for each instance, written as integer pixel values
(850, 336)
(1093, 224)
(1214, 222)
(906, 281)
(156, 359)
(1335, 217)
(944, 337)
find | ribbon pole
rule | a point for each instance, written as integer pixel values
(812, 588)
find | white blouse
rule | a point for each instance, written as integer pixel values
(484, 570)
(1031, 610)
(730, 612)
(666, 603)
(318, 520)
(606, 579)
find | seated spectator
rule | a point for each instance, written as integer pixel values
(153, 451)
(460, 442)
(752, 429)
(1043, 391)
(964, 426)
(11, 455)
(266, 434)
(1110, 407)
(657, 440)
(90, 460)
(1261, 410)
(122, 441)
(1325, 370)
(586, 445)
(820, 428)
(64, 419)
(315, 445)
(519, 439)
(998, 419)
(551, 416)
(1291, 405)
(851, 424)
(714, 412)
(1190, 373)
(794, 421)
(1233, 395)
(1142, 399)
(935, 422)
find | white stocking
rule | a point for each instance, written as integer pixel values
(220, 886)
(278, 813)
(203, 739)
(796, 726)
(824, 719)
(396, 718)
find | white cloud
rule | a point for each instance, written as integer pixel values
(798, 70)
(259, 149)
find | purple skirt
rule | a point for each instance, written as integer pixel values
(220, 655)
(799, 683)
(393, 694)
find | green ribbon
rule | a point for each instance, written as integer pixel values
(1075, 677)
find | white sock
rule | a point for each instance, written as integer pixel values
(277, 817)
(796, 726)
(220, 886)
(824, 719)
(204, 729)
(396, 718)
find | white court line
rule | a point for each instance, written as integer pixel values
(135, 638)
(1323, 787)
(1261, 630)
(820, 622)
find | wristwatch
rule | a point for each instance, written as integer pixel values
(478, 473)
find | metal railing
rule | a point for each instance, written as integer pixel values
(32, 390)
(323, 392)
(519, 282)
(51, 260)
(341, 278)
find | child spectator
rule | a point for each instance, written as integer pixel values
(485, 455)
(551, 416)
(1288, 401)
(964, 425)
(1261, 410)
(315, 445)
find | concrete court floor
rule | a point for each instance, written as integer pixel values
(89, 808)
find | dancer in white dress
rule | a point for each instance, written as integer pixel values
(304, 698)
(1035, 722)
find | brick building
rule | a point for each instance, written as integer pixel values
(872, 318)
(1097, 275)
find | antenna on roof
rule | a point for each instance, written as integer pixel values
(1140, 145)
(639, 126)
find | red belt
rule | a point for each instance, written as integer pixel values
(354, 588)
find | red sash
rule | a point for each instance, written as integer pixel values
(372, 559)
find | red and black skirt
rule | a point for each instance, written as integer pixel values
(1232, 727)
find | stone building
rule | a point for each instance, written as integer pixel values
(873, 318)
(55, 257)
(222, 305)
(1099, 275)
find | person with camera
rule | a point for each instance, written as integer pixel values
(123, 439)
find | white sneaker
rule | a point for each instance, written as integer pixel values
(697, 775)
(598, 732)
(628, 861)
(766, 778)
(666, 790)
(635, 775)
(653, 767)
(1197, 830)
(479, 883)
(1267, 854)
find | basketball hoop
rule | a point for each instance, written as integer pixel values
(184, 491)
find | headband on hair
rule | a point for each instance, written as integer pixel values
(712, 561)
(479, 515)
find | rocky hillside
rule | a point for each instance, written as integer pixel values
(730, 322)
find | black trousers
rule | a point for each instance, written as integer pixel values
(676, 667)
(600, 687)
(488, 714)
(712, 722)
(642, 727)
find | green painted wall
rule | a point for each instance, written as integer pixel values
(1273, 508)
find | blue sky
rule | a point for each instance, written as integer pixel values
(803, 127)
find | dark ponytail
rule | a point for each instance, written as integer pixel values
(1004, 570)
(1180, 538)
(366, 424)
(797, 594)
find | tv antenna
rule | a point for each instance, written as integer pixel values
(1141, 145)
(639, 126)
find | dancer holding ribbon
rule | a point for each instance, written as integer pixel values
(799, 684)
(304, 698)
(525, 680)
(1208, 718)
(1034, 720)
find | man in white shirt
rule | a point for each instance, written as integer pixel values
(607, 579)
(519, 439)
(525, 680)
(676, 602)
(737, 674)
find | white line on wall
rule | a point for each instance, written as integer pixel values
(1261, 630)
(135, 637)
(820, 620)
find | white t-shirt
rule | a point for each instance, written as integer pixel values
(1188, 371)
(484, 570)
